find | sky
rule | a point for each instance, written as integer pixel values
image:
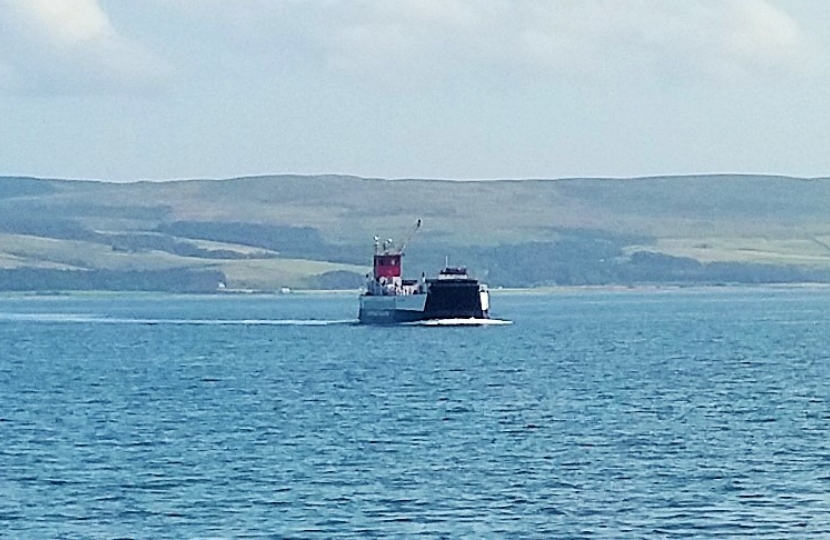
(125, 90)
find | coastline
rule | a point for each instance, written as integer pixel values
(497, 291)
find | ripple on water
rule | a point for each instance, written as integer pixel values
(593, 415)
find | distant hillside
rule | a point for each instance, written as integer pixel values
(266, 233)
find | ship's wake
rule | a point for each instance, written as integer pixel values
(462, 322)
(102, 319)
(93, 319)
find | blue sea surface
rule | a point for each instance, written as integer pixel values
(633, 414)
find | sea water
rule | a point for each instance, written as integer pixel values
(632, 414)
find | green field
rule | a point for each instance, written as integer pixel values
(762, 250)
(265, 233)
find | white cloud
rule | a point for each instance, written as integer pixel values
(69, 45)
(763, 36)
(588, 37)
(64, 45)
(666, 38)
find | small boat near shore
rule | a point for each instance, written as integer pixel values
(389, 299)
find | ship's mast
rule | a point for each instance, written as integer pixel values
(411, 234)
(387, 259)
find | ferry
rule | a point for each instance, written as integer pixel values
(389, 299)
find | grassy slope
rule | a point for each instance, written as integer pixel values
(18, 251)
(710, 218)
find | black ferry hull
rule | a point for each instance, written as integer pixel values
(443, 299)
